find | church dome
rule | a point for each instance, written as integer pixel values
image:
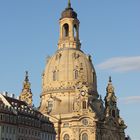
(67, 68)
(69, 12)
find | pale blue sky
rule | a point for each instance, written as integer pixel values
(109, 31)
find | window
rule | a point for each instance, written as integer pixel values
(76, 74)
(84, 136)
(7, 129)
(75, 31)
(54, 76)
(10, 130)
(19, 130)
(94, 77)
(84, 104)
(2, 128)
(65, 30)
(1, 117)
(13, 130)
(66, 137)
(113, 113)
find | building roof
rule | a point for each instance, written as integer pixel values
(69, 12)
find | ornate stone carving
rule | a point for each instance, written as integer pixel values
(85, 122)
(121, 122)
(49, 105)
(92, 130)
(76, 105)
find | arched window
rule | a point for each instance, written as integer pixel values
(54, 75)
(93, 76)
(84, 104)
(66, 137)
(65, 30)
(84, 136)
(76, 74)
(113, 113)
(75, 31)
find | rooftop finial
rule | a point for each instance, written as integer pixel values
(26, 77)
(110, 88)
(110, 80)
(69, 4)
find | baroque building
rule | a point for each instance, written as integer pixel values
(69, 91)
(20, 120)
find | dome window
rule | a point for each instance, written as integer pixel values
(76, 74)
(65, 30)
(54, 75)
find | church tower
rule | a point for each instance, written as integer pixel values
(69, 29)
(69, 88)
(26, 94)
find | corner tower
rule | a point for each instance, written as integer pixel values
(26, 94)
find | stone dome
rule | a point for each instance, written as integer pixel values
(69, 13)
(66, 68)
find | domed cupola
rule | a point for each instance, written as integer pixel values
(69, 12)
(69, 29)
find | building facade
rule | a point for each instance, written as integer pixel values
(69, 91)
(19, 120)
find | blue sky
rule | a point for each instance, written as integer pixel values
(109, 31)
